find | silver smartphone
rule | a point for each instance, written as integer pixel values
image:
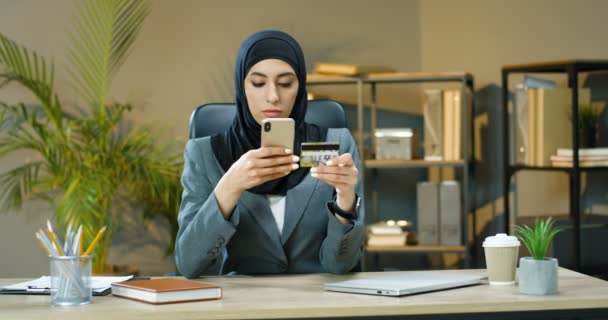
(278, 132)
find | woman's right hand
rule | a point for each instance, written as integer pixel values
(252, 169)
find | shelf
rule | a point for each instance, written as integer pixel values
(571, 68)
(415, 248)
(402, 77)
(372, 81)
(379, 164)
(314, 79)
(558, 66)
(515, 168)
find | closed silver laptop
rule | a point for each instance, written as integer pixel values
(405, 284)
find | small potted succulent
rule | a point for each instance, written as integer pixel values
(538, 273)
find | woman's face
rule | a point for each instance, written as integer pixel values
(271, 87)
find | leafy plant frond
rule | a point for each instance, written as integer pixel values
(538, 239)
(102, 39)
(18, 184)
(32, 72)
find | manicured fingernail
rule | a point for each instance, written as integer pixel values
(295, 158)
(286, 173)
(313, 174)
(330, 163)
(288, 151)
(294, 166)
(313, 170)
(340, 164)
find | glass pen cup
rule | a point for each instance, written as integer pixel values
(70, 280)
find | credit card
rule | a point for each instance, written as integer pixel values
(318, 153)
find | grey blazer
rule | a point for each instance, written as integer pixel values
(312, 240)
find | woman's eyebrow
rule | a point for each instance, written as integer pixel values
(284, 74)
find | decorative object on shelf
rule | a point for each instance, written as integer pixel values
(388, 233)
(350, 70)
(396, 143)
(588, 121)
(91, 166)
(538, 273)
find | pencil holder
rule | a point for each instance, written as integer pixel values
(70, 280)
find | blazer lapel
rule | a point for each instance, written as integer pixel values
(259, 209)
(297, 200)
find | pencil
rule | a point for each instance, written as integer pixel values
(55, 242)
(81, 241)
(94, 242)
(42, 244)
(54, 238)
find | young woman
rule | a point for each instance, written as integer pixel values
(248, 209)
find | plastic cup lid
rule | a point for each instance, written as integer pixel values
(501, 240)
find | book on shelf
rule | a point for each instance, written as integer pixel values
(580, 157)
(599, 162)
(450, 208)
(443, 132)
(166, 290)
(387, 239)
(433, 124)
(521, 150)
(351, 70)
(583, 152)
(427, 202)
(382, 228)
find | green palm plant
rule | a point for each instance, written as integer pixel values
(91, 166)
(538, 239)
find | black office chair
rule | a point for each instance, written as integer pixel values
(213, 118)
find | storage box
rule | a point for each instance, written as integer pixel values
(396, 143)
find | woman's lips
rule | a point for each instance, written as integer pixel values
(272, 113)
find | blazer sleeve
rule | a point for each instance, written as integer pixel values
(343, 247)
(200, 247)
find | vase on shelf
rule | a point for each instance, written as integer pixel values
(587, 137)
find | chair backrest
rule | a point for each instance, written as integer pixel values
(213, 118)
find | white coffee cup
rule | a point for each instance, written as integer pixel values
(501, 258)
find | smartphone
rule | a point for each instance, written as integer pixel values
(278, 132)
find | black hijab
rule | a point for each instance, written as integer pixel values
(244, 133)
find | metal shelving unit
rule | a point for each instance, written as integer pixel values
(571, 68)
(466, 165)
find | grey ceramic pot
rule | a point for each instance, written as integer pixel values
(538, 277)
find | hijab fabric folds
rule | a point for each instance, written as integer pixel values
(244, 133)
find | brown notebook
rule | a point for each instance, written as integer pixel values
(166, 290)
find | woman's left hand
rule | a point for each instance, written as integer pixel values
(342, 174)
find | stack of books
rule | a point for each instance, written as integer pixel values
(591, 157)
(349, 70)
(387, 233)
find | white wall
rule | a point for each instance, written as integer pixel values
(184, 57)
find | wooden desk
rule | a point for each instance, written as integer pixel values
(302, 297)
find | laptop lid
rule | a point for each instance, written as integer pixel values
(405, 284)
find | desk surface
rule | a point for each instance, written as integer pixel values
(301, 296)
